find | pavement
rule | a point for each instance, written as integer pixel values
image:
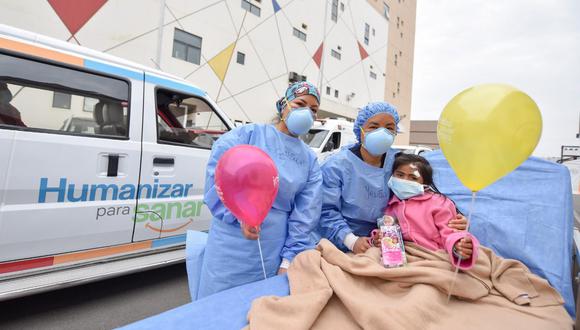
(101, 305)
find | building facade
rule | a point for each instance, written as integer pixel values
(244, 52)
(400, 57)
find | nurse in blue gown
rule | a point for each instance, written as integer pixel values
(355, 190)
(231, 256)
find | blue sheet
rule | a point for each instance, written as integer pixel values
(224, 310)
(527, 215)
(195, 248)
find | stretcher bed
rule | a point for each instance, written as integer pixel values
(527, 215)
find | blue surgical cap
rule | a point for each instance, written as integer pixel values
(370, 110)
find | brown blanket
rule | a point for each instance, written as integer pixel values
(333, 290)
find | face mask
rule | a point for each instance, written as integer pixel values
(378, 141)
(405, 189)
(5, 96)
(299, 120)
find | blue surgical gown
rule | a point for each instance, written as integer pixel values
(230, 259)
(354, 195)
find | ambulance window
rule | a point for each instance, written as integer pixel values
(314, 137)
(43, 97)
(186, 120)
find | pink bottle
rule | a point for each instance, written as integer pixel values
(392, 247)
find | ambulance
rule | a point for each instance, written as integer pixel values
(102, 164)
(327, 136)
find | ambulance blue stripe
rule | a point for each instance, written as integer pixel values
(168, 241)
(174, 85)
(114, 70)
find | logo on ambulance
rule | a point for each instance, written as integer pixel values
(156, 214)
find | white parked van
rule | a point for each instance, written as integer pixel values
(102, 164)
(327, 136)
(414, 150)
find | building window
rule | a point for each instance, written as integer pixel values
(373, 75)
(335, 54)
(386, 10)
(402, 23)
(61, 100)
(299, 34)
(248, 6)
(401, 34)
(396, 58)
(373, 32)
(394, 95)
(295, 77)
(327, 90)
(342, 6)
(334, 11)
(186, 46)
(367, 32)
(398, 21)
(336, 93)
(241, 58)
(400, 53)
(89, 104)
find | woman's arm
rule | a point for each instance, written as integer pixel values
(304, 216)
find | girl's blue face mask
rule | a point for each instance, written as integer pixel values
(379, 141)
(405, 189)
(299, 120)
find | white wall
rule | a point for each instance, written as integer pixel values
(128, 28)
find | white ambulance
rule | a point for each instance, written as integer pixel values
(102, 164)
(327, 136)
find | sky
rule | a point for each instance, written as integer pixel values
(533, 45)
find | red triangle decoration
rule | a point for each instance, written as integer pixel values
(318, 55)
(74, 13)
(362, 51)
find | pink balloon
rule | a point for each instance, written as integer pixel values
(247, 183)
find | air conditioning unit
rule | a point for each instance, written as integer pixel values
(295, 77)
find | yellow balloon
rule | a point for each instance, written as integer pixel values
(487, 131)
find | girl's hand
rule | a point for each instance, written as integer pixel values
(459, 223)
(361, 245)
(464, 247)
(376, 237)
(250, 232)
(282, 271)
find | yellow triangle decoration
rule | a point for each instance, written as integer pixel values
(221, 61)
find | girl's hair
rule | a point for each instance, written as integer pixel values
(424, 169)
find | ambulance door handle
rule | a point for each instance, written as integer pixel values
(113, 165)
(160, 161)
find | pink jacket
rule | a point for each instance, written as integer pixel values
(424, 219)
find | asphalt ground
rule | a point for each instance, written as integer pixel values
(100, 305)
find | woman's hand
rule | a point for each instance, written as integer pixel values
(250, 232)
(282, 271)
(464, 247)
(361, 245)
(459, 223)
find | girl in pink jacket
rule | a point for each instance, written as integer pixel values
(423, 212)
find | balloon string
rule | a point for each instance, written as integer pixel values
(261, 257)
(459, 259)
